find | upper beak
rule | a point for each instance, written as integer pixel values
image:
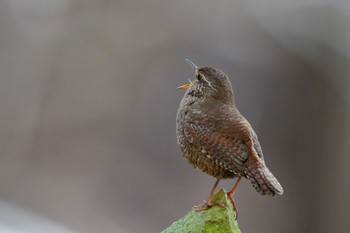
(194, 66)
(185, 86)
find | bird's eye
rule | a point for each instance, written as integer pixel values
(199, 77)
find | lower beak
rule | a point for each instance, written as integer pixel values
(185, 86)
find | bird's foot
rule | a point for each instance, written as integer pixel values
(233, 205)
(207, 205)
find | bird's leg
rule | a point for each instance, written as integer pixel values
(208, 203)
(231, 193)
(211, 194)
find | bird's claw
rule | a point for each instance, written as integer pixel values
(207, 205)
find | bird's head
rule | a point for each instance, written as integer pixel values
(209, 84)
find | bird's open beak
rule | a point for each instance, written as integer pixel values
(185, 86)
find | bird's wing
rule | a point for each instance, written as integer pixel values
(226, 149)
(257, 146)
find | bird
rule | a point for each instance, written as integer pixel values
(215, 138)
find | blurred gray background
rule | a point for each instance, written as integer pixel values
(88, 105)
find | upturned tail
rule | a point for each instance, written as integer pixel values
(263, 180)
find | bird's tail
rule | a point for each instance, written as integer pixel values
(263, 180)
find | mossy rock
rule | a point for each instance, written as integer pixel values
(213, 220)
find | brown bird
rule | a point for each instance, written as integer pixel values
(215, 138)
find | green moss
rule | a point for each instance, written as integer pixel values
(213, 220)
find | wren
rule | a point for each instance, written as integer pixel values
(214, 137)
